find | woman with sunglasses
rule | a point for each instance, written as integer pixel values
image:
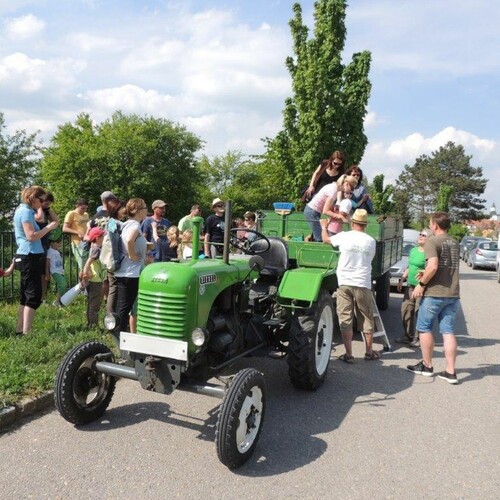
(327, 172)
(29, 255)
(409, 307)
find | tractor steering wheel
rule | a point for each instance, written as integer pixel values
(245, 245)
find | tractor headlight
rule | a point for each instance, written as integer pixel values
(111, 322)
(199, 336)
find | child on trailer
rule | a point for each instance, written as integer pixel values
(340, 214)
(54, 269)
(93, 275)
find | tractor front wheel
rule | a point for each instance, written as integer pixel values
(241, 416)
(81, 393)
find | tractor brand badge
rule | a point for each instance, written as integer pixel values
(206, 279)
(160, 278)
(202, 289)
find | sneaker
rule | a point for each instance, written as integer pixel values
(421, 369)
(415, 343)
(451, 378)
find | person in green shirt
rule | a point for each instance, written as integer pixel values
(409, 307)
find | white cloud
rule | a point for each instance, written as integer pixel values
(24, 28)
(87, 42)
(18, 71)
(128, 98)
(416, 144)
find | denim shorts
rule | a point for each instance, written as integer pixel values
(443, 308)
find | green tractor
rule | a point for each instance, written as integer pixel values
(197, 317)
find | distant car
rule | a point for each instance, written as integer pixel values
(410, 240)
(484, 254)
(467, 243)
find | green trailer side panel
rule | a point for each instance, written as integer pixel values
(301, 284)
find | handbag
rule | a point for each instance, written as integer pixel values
(304, 197)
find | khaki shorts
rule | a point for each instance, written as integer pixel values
(355, 301)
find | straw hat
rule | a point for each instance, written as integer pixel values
(360, 216)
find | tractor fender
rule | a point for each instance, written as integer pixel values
(303, 283)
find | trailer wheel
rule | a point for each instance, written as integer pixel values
(81, 393)
(310, 344)
(383, 291)
(241, 416)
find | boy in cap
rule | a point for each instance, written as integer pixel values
(93, 275)
(162, 224)
(354, 274)
(214, 229)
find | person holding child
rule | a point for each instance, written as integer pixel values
(339, 211)
(93, 275)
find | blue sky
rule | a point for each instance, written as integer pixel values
(217, 67)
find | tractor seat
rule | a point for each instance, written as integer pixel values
(275, 258)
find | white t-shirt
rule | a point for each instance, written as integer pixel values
(56, 263)
(357, 250)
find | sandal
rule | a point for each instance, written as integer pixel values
(347, 359)
(370, 356)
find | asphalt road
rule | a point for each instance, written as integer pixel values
(372, 430)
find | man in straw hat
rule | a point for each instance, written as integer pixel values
(354, 275)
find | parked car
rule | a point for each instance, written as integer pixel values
(410, 240)
(467, 243)
(484, 254)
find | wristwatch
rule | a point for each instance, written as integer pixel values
(423, 285)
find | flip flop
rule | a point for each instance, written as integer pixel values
(347, 359)
(372, 356)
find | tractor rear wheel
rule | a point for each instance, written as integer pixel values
(310, 344)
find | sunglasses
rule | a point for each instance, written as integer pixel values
(356, 175)
(219, 205)
(337, 162)
(423, 234)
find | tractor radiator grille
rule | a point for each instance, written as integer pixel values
(162, 314)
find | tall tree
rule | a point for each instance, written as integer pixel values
(328, 105)
(19, 157)
(130, 155)
(419, 185)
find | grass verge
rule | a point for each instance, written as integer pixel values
(28, 364)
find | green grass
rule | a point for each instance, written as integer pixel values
(28, 364)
